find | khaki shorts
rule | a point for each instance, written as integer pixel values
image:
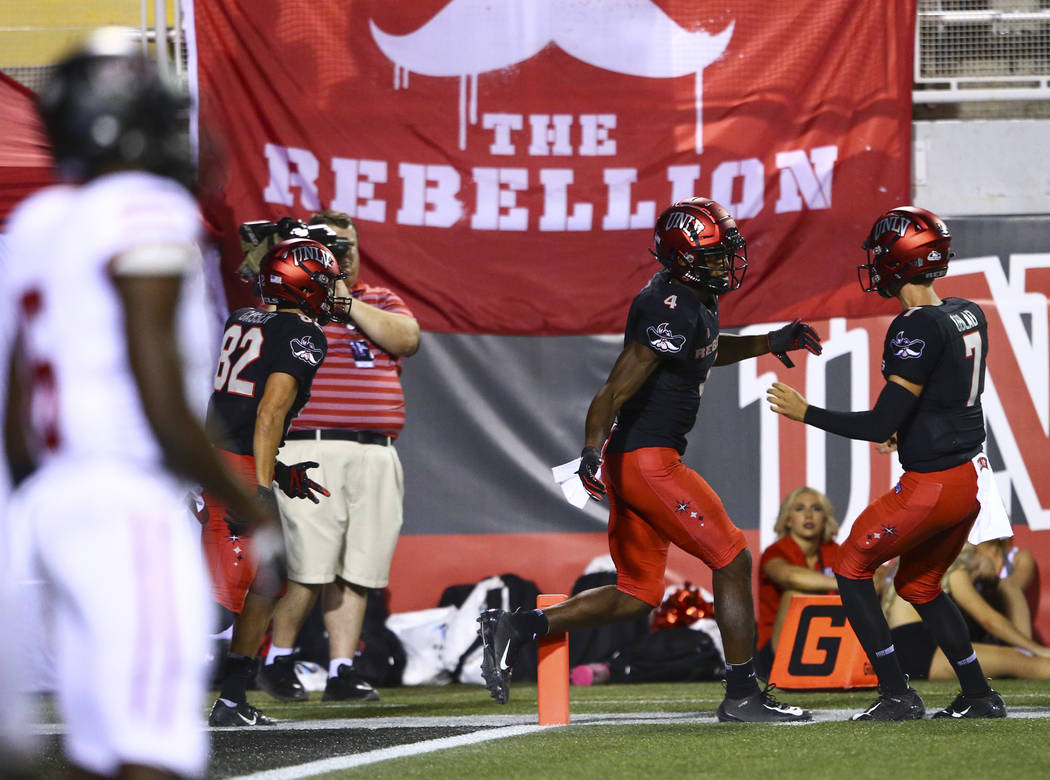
(352, 533)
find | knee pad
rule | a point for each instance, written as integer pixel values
(917, 592)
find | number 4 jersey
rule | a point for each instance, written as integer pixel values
(943, 348)
(255, 344)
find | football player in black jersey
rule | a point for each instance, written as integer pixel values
(653, 392)
(930, 410)
(267, 363)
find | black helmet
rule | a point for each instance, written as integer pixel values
(108, 107)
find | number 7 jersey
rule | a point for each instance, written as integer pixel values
(255, 344)
(943, 348)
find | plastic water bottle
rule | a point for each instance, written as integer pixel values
(589, 674)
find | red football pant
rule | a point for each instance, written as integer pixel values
(229, 557)
(925, 520)
(655, 499)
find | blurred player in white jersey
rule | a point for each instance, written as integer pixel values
(14, 741)
(106, 279)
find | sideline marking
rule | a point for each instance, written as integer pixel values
(820, 715)
(400, 751)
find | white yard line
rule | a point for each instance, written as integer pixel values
(338, 763)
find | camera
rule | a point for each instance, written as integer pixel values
(254, 234)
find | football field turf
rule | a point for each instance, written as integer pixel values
(626, 731)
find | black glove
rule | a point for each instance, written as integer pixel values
(797, 335)
(294, 482)
(590, 460)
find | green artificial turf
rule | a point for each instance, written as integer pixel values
(667, 744)
(1010, 749)
(1018, 747)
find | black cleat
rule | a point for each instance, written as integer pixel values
(500, 642)
(280, 680)
(904, 706)
(242, 715)
(761, 707)
(988, 706)
(348, 685)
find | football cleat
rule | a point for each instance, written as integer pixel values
(500, 643)
(348, 685)
(244, 714)
(761, 707)
(988, 706)
(280, 680)
(904, 706)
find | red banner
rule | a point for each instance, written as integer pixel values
(506, 161)
(25, 158)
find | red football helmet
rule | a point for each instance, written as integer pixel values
(301, 272)
(699, 243)
(905, 244)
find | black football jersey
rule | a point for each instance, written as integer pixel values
(944, 349)
(669, 319)
(255, 344)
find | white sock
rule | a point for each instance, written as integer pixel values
(335, 663)
(277, 652)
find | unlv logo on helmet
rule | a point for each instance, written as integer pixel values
(305, 252)
(905, 244)
(299, 273)
(679, 219)
(698, 242)
(893, 223)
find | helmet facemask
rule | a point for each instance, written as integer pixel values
(717, 269)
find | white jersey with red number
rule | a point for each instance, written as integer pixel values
(101, 522)
(64, 246)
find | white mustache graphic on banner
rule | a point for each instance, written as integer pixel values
(468, 37)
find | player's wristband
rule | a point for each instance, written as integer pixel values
(894, 404)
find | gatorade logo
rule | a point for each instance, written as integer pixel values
(815, 650)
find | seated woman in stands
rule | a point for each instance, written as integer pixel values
(799, 562)
(988, 583)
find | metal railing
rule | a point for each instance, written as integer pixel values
(29, 45)
(976, 51)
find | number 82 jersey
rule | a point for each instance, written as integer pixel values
(255, 344)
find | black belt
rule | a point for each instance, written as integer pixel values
(338, 434)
